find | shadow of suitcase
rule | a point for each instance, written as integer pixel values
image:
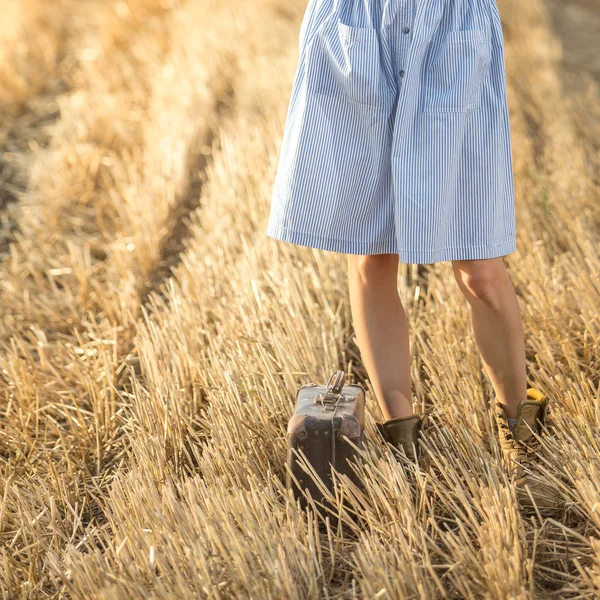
(325, 418)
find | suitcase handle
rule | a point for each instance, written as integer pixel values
(334, 390)
(338, 384)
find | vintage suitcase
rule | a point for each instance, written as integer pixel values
(325, 416)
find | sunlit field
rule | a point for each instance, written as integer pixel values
(152, 336)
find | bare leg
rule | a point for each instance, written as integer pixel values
(497, 326)
(381, 329)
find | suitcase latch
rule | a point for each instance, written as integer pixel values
(328, 402)
(332, 396)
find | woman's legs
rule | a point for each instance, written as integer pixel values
(497, 326)
(381, 329)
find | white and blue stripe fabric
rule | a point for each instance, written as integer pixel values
(397, 137)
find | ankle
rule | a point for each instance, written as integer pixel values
(397, 405)
(511, 412)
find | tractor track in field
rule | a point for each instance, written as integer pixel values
(129, 374)
(175, 244)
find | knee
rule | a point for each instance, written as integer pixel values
(480, 281)
(374, 268)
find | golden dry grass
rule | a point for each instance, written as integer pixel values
(152, 336)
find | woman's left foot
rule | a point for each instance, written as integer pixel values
(520, 447)
(404, 432)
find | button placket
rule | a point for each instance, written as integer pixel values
(404, 41)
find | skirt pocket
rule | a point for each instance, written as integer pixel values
(344, 61)
(454, 71)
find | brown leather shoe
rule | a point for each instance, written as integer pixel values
(520, 449)
(404, 432)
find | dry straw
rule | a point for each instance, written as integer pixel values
(152, 336)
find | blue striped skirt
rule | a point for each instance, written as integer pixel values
(397, 138)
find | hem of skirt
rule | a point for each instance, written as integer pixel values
(406, 255)
(310, 240)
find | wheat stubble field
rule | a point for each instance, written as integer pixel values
(152, 336)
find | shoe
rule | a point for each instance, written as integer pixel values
(404, 432)
(520, 449)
